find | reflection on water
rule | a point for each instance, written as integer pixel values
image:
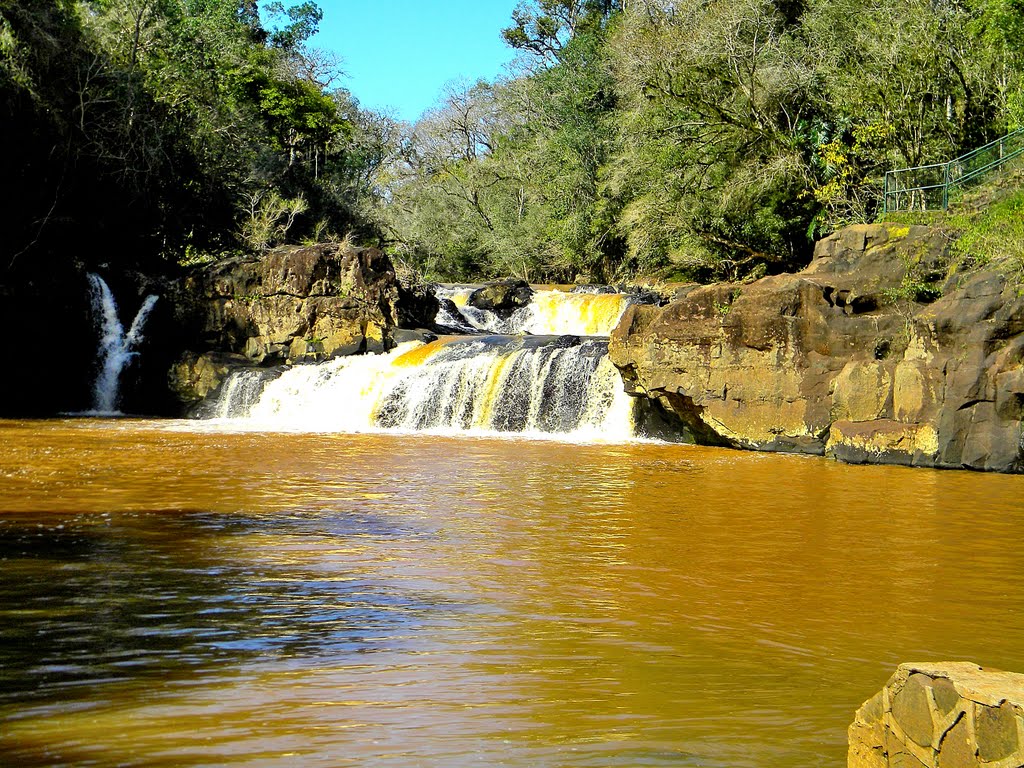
(180, 598)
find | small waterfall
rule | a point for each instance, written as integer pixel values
(483, 385)
(116, 347)
(241, 392)
(551, 313)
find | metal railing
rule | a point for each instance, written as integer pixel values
(928, 187)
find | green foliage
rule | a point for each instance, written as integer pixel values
(985, 228)
(672, 140)
(687, 140)
(303, 22)
(270, 218)
(994, 235)
(168, 130)
(503, 179)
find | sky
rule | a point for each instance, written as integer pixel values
(398, 54)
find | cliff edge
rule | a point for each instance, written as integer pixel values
(873, 353)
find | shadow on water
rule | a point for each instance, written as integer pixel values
(172, 593)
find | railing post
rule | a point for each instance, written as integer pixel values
(945, 188)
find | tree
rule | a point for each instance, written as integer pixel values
(303, 22)
(544, 27)
(153, 125)
(711, 165)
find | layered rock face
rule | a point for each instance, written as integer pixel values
(947, 715)
(292, 304)
(846, 357)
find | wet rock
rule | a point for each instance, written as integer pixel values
(595, 288)
(402, 335)
(417, 306)
(841, 357)
(195, 376)
(567, 341)
(502, 297)
(645, 296)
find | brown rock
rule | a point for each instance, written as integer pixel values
(293, 304)
(912, 711)
(862, 391)
(195, 376)
(945, 696)
(944, 715)
(867, 748)
(956, 749)
(790, 361)
(995, 729)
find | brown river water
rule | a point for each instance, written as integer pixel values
(177, 597)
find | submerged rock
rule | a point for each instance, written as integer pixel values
(423, 336)
(851, 357)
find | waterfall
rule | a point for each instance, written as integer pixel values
(481, 385)
(542, 370)
(116, 347)
(585, 313)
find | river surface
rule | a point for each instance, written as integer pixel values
(171, 596)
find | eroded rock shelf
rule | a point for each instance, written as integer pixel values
(871, 354)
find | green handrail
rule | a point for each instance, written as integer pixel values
(927, 187)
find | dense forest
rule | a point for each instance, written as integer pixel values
(164, 131)
(661, 138)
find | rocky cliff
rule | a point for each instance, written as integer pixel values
(292, 304)
(873, 353)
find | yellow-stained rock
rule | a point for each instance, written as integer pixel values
(827, 359)
(858, 442)
(194, 376)
(264, 307)
(913, 393)
(862, 392)
(943, 715)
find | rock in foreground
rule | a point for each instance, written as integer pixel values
(945, 715)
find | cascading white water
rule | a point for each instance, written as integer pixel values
(116, 347)
(477, 385)
(241, 391)
(549, 313)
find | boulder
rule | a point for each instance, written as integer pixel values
(417, 306)
(293, 304)
(502, 296)
(195, 376)
(289, 305)
(853, 357)
(942, 715)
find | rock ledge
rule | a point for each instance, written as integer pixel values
(871, 355)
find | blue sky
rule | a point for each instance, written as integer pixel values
(398, 54)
